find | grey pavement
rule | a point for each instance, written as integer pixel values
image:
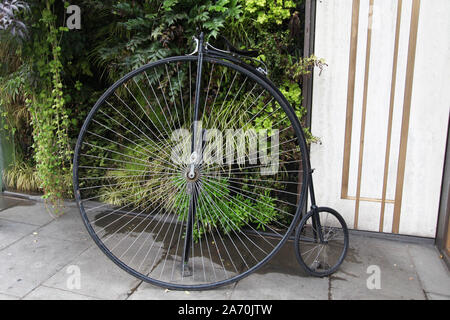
(38, 253)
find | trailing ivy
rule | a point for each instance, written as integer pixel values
(49, 117)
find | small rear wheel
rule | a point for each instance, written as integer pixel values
(321, 241)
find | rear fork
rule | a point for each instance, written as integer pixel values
(316, 225)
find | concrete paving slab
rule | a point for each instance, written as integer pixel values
(434, 296)
(32, 260)
(370, 260)
(36, 252)
(284, 262)
(69, 226)
(8, 202)
(35, 214)
(11, 231)
(150, 292)
(281, 278)
(99, 277)
(433, 273)
(47, 293)
(279, 286)
(8, 297)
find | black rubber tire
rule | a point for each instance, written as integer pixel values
(299, 248)
(261, 80)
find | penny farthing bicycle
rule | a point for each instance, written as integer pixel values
(191, 172)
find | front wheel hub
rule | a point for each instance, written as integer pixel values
(192, 174)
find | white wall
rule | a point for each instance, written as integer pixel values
(430, 105)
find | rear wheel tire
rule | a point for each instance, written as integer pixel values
(321, 258)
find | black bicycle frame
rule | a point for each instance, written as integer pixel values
(213, 53)
(316, 221)
(317, 227)
(193, 200)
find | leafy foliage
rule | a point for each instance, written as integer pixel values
(9, 21)
(218, 209)
(139, 33)
(49, 117)
(49, 83)
(22, 176)
(269, 11)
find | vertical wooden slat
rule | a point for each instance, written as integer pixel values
(350, 97)
(391, 111)
(308, 50)
(364, 111)
(307, 53)
(307, 85)
(406, 114)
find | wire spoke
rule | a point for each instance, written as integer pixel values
(136, 176)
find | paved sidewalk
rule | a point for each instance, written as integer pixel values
(37, 253)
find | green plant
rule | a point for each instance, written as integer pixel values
(304, 66)
(21, 176)
(218, 208)
(9, 20)
(142, 190)
(49, 117)
(13, 73)
(14, 112)
(269, 11)
(49, 83)
(141, 32)
(155, 189)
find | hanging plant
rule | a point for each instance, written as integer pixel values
(49, 116)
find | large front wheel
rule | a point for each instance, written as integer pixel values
(186, 213)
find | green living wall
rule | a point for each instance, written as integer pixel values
(50, 76)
